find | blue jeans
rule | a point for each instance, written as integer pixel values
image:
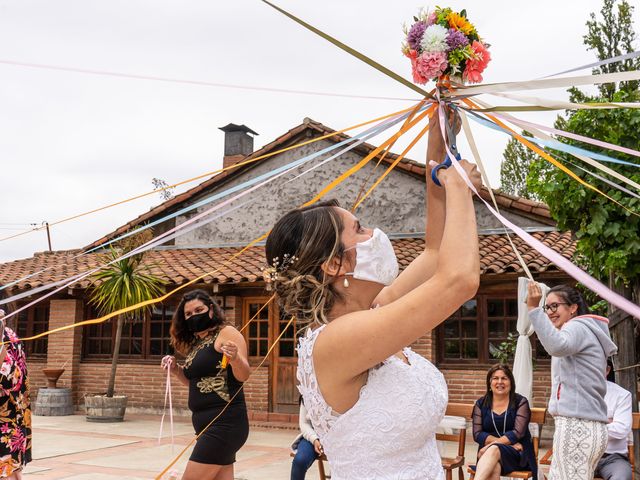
(305, 456)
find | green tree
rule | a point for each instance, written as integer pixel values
(515, 169)
(121, 284)
(608, 242)
(612, 36)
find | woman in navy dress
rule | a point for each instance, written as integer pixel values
(214, 368)
(501, 428)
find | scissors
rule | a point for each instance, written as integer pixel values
(451, 137)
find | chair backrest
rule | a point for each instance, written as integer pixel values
(538, 416)
(635, 424)
(457, 410)
(460, 410)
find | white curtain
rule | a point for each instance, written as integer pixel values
(523, 363)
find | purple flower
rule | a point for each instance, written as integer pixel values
(414, 37)
(456, 39)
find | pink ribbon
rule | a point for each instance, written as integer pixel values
(553, 256)
(573, 136)
(166, 363)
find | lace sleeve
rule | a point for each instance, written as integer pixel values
(478, 434)
(521, 424)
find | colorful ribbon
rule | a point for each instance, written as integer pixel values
(166, 363)
(260, 180)
(553, 256)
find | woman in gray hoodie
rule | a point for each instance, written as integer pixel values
(579, 343)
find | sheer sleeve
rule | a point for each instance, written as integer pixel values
(521, 424)
(478, 434)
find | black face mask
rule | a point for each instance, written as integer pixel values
(199, 322)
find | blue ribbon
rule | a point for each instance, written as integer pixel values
(363, 136)
(554, 144)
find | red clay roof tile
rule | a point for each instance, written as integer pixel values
(180, 265)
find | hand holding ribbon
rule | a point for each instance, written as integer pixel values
(169, 364)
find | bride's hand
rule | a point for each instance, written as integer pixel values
(450, 176)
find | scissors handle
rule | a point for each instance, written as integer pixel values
(446, 164)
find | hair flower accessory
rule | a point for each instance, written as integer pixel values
(270, 274)
(444, 43)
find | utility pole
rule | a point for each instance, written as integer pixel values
(48, 234)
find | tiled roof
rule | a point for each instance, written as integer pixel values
(178, 266)
(538, 210)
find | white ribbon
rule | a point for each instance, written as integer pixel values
(166, 363)
(547, 83)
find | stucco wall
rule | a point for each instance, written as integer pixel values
(396, 206)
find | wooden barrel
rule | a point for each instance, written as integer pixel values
(54, 402)
(101, 408)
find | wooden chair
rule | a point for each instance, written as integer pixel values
(635, 425)
(321, 471)
(448, 463)
(538, 416)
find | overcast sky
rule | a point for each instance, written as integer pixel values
(71, 142)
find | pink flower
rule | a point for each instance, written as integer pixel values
(475, 66)
(18, 442)
(5, 428)
(417, 77)
(430, 65)
(431, 18)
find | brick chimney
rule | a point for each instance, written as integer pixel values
(238, 143)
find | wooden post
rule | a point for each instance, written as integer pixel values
(622, 328)
(48, 235)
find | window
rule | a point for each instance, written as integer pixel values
(461, 333)
(148, 338)
(258, 330)
(33, 321)
(471, 335)
(502, 316)
(160, 323)
(98, 337)
(132, 338)
(289, 339)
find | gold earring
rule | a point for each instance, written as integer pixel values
(346, 282)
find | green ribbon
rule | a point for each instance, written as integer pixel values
(355, 53)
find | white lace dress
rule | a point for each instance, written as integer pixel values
(389, 434)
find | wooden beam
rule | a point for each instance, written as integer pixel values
(616, 317)
(622, 329)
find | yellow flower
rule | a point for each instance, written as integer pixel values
(27, 418)
(6, 466)
(458, 22)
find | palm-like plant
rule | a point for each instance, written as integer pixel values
(121, 284)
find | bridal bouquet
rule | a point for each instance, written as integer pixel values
(444, 43)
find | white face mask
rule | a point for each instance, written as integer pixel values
(375, 259)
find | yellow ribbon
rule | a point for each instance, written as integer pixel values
(405, 128)
(549, 158)
(209, 174)
(395, 163)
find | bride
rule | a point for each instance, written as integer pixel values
(373, 402)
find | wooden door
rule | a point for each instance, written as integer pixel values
(265, 327)
(284, 395)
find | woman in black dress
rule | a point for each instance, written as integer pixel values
(501, 428)
(214, 368)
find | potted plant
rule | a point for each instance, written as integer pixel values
(120, 284)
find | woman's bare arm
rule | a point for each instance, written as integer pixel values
(356, 342)
(424, 266)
